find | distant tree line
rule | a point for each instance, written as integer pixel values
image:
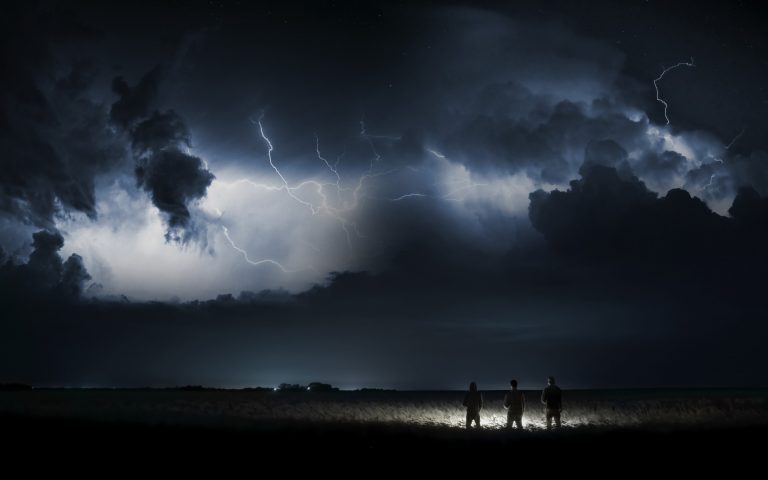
(14, 386)
(312, 387)
(283, 387)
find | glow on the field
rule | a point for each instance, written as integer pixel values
(491, 419)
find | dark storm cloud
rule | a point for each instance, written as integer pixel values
(671, 257)
(529, 125)
(498, 101)
(45, 261)
(550, 141)
(54, 140)
(74, 276)
(616, 285)
(44, 278)
(603, 216)
(606, 153)
(136, 102)
(661, 167)
(502, 97)
(158, 132)
(750, 213)
(720, 179)
(173, 179)
(391, 328)
(749, 170)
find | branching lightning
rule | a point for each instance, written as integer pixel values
(253, 262)
(720, 160)
(333, 168)
(288, 189)
(345, 199)
(469, 184)
(656, 83)
(712, 177)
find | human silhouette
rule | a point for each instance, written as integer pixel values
(552, 397)
(514, 402)
(473, 400)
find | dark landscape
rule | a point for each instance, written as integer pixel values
(655, 425)
(294, 236)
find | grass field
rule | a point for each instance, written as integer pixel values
(608, 409)
(674, 432)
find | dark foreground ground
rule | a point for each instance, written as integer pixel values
(281, 434)
(317, 447)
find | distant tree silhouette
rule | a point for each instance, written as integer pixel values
(321, 387)
(14, 386)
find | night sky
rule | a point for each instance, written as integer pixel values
(405, 195)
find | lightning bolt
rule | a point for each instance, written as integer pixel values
(343, 193)
(469, 184)
(730, 144)
(408, 195)
(324, 206)
(720, 160)
(253, 262)
(334, 168)
(346, 198)
(712, 177)
(288, 189)
(447, 196)
(664, 72)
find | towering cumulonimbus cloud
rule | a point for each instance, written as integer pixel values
(74, 276)
(45, 262)
(513, 191)
(608, 218)
(173, 178)
(45, 276)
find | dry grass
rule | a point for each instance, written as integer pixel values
(582, 408)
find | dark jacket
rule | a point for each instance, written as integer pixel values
(514, 400)
(473, 401)
(552, 397)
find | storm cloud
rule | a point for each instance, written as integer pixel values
(410, 194)
(604, 217)
(45, 278)
(55, 139)
(134, 102)
(173, 179)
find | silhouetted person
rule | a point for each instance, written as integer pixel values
(474, 403)
(514, 402)
(552, 397)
